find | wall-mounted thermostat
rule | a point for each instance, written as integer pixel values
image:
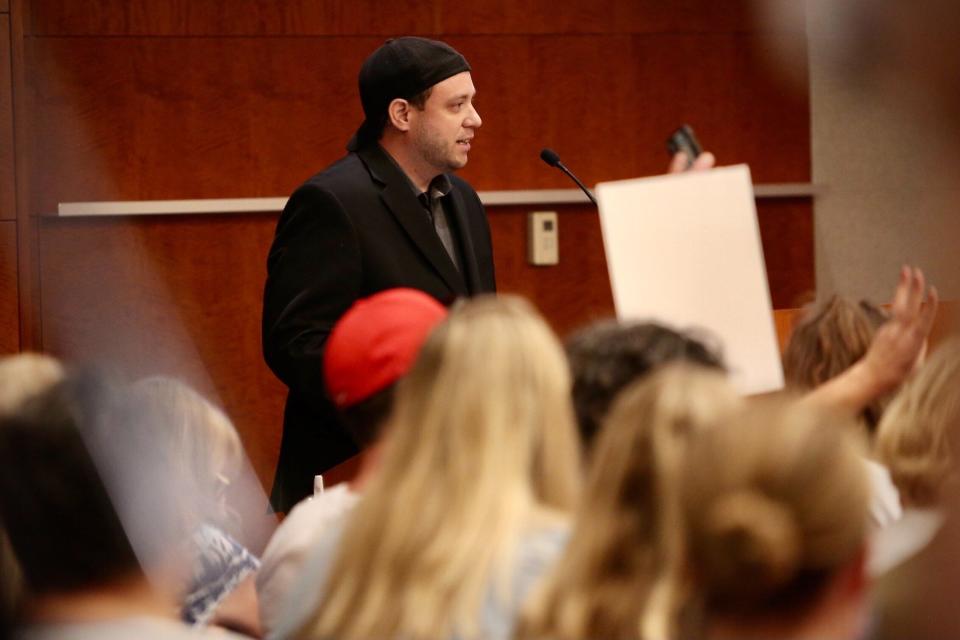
(543, 247)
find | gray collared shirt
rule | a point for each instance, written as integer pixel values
(432, 201)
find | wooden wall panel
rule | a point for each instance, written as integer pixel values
(8, 202)
(254, 117)
(173, 296)
(9, 308)
(614, 125)
(181, 296)
(239, 118)
(577, 291)
(570, 294)
(373, 17)
(786, 231)
(230, 17)
(134, 99)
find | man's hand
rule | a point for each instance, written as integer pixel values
(680, 163)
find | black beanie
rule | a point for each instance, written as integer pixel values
(400, 68)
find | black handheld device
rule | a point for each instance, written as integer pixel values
(683, 139)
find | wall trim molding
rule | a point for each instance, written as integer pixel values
(267, 205)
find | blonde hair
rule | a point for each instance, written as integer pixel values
(482, 436)
(203, 446)
(914, 437)
(775, 502)
(25, 375)
(613, 581)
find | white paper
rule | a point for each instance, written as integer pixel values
(685, 250)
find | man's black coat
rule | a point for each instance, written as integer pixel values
(350, 231)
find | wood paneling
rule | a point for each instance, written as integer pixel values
(28, 270)
(181, 296)
(613, 125)
(572, 293)
(247, 98)
(238, 118)
(373, 17)
(9, 309)
(253, 117)
(230, 17)
(786, 231)
(4, 6)
(577, 290)
(8, 185)
(174, 296)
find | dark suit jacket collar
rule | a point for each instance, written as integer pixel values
(402, 202)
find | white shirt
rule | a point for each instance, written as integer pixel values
(292, 543)
(893, 545)
(885, 506)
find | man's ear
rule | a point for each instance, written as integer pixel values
(398, 113)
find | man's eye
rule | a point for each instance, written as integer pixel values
(456, 106)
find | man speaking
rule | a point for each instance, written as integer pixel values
(389, 214)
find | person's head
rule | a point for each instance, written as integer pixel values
(22, 376)
(827, 340)
(370, 348)
(607, 356)
(618, 554)
(199, 441)
(419, 93)
(774, 506)
(54, 505)
(481, 439)
(914, 439)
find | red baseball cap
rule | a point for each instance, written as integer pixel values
(376, 342)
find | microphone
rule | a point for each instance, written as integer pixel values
(553, 159)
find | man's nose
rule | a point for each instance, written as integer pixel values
(473, 118)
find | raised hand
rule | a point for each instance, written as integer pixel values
(900, 343)
(893, 353)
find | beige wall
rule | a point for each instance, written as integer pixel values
(887, 198)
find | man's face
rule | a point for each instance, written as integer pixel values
(442, 131)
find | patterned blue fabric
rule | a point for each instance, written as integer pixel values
(221, 564)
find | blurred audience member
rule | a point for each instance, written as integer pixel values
(22, 376)
(607, 356)
(370, 348)
(612, 581)
(826, 341)
(205, 454)
(480, 470)
(25, 375)
(896, 348)
(774, 517)
(905, 54)
(914, 441)
(82, 577)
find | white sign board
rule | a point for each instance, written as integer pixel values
(685, 250)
